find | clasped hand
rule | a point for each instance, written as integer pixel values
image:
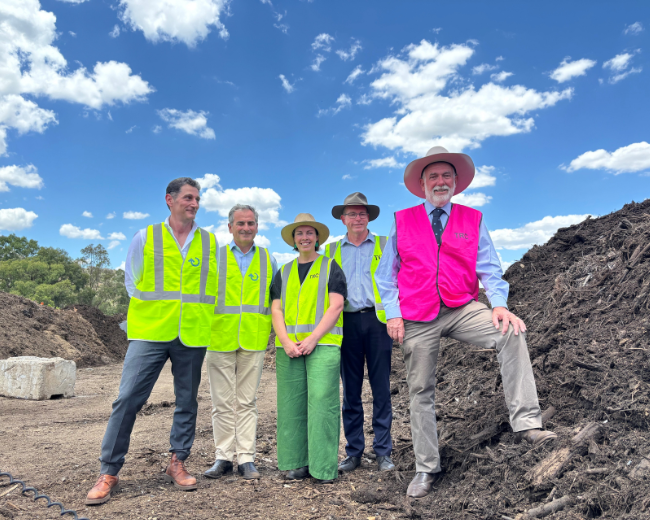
(301, 348)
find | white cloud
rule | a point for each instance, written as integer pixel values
(354, 74)
(19, 176)
(483, 67)
(131, 129)
(31, 65)
(500, 77)
(15, 219)
(634, 28)
(315, 66)
(474, 200)
(331, 239)
(209, 180)
(323, 41)
(286, 85)
(436, 30)
(461, 118)
(632, 158)
(343, 101)
(537, 232)
(115, 32)
(504, 264)
(87, 214)
(348, 177)
(499, 58)
(350, 55)
(117, 236)
(618, 66)
(121, 266)
(73, 1)
(265, 200)
(134, 215)
(365, 99)
(72, 33)
(284, 29)
(113, 244)
(70, 231)
(384, 162)
(284, 258)
(571, 69)
(190, 122)
(483, 178)
(187, 21)
(157, 129)
(110, 215)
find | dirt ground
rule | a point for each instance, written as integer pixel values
(585, 296)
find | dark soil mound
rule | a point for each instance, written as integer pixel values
(107, 328)
(30, 329)
(585, 297)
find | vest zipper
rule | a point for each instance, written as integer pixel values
(298, 299)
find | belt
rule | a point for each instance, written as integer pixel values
(361, 311)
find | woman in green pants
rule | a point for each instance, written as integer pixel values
(308, 295)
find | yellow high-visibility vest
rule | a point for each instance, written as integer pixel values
(175, 297)
(304, 306)
(242, 317)
(333, 250)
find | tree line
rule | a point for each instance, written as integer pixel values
(50, 276)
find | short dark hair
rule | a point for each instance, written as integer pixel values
(174, 187)
(436, 162)
(293, 235)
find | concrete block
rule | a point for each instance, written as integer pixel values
(31, 377)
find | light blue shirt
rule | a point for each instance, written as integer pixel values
(488, 268)
(356, 266)
(244, 259)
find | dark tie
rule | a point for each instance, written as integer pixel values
(436, 224)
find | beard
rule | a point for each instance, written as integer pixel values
(439, 195)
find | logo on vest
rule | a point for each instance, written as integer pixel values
(377, 257)
(254, 277)
(195, 262)
(313, 276)
(461, 235)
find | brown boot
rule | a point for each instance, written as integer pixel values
(101, 491)
(536, 437)
(177, 474)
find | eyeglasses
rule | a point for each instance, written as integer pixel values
(353, 215)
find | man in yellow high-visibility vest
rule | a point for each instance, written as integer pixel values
(171, 276)
(240, 334)
(365, 340)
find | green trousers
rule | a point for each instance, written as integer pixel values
(309, 411)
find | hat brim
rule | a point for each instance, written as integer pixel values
(462, 162)
(322, 229)
(373, 211)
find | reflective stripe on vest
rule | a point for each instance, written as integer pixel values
(306, 293)
(175, 295)
(238, 322)
(333, 250)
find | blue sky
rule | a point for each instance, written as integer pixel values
(291, 105)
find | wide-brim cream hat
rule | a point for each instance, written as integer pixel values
(462, 162)
(305, 219)
(356, 199)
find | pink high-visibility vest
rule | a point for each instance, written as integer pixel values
(428, 273)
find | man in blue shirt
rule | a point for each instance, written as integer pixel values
(365, 339)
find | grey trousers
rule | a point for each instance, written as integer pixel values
(471, 323)
(142, 365)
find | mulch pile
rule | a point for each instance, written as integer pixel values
(81, 334)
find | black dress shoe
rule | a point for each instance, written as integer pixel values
(349, 464)
(298, 474)
(219, 468)
(248, 471)
(320, 481)
(385, 463)
(421, 484)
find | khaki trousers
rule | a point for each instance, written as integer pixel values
(471, 323)
(234, 378)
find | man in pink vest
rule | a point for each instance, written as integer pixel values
(428, 280)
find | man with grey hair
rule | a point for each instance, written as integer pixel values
(240, 334)
(171, 277)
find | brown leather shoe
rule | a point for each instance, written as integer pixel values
(178, 475)
(536, 437)
(101, 491)
(421, 484)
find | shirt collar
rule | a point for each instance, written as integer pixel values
(370, 237)
(430, 207)
(233, 246)
(195, 226)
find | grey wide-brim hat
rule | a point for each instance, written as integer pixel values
(462, 162)
(305, 219)
(356, 199)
